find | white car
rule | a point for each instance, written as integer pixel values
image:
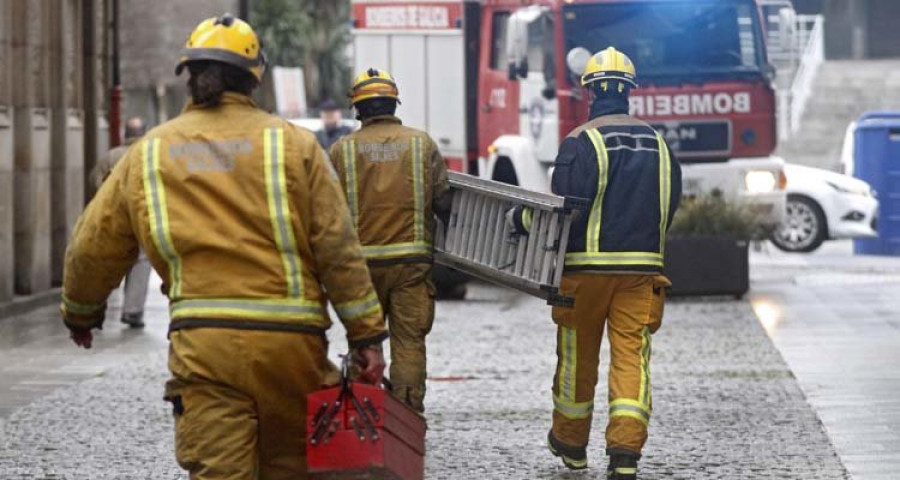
(824, 205)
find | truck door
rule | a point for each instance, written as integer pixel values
(498, 95)
(538, 103)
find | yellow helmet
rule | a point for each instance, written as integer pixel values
(610, 64)
(225, 39)
(373, 83)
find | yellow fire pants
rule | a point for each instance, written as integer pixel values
(239, 398)
(407, 298)
(631, 308)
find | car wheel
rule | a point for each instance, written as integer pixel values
(804, 227)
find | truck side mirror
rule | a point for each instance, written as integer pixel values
(576, 60)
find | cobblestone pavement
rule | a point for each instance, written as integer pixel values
(726, 405)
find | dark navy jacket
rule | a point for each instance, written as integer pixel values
(635, 191)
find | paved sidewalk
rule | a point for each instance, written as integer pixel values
(726, 405)
(836, 319)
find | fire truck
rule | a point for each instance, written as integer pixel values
(496, 83)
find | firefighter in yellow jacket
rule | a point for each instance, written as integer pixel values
(240, 214)
(613, 269)
(395, 181)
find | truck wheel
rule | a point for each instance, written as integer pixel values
(804, 227)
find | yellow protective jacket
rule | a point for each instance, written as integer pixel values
(240, 214)
(395, 181)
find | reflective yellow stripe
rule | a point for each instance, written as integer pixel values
(527, 218)
(596, 218)
(418, 190)
(573, 410)
(644, 394)
(626, 470)
(566, 376)
(279, 209)
(614, 258)
(349, 147)
(359, 308)
(158, 215)
(665, 189)
(396, 250)
(82, 308)
(285, 309)
(626, 407)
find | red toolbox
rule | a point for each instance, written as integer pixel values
(358, 431)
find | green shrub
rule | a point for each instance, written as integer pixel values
(713, 216)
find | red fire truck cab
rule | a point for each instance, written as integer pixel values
(496, 82)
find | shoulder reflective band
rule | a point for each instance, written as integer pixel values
(567, 374)
(626, 407)
(372, 252)
(614, 258)
(349, 148)
(358, 308)
(260, 309)
(573, 410)
(418, 189)
(596, 218)
(644, 394)
(82, 308)
(158, 214)
(665, 189)
(279, 209)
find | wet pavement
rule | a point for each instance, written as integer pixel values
(726, 404)
(836, 320)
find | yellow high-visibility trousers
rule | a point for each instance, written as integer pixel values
(630, 307)
(407, 298)
(239, 398)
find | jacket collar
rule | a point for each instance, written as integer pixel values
(228, 98)
(382, 119)
(609, 105)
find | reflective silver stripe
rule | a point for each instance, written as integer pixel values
(573, 410)
(349, 147)
(158, 215)
(630, 135)
(82, 308)
(418, 190)
(354, 310)
(287, 308)
(396, 250)
(279, 210)
(614, 258)
(633, 149)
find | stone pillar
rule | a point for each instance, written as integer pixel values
(67, 128)
(32, 121)
(7, 262)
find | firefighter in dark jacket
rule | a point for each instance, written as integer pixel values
(614, 268)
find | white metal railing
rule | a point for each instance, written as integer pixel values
(797, 68)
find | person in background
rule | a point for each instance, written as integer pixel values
(138, 278)
(332, 130)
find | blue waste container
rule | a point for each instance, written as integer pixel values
(876, 159)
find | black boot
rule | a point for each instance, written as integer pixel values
(622, 467)
(134, 320)
(573, 458)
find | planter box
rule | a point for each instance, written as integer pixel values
(708, 266)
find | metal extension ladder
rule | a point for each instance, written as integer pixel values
(478, 241)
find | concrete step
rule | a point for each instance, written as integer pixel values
(843, 90)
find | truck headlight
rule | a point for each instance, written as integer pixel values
(760, 181)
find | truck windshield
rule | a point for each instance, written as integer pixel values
(697, 39)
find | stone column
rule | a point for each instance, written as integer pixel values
(68, 126)
(7, 262)
(32, 147)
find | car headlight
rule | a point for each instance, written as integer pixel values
(850, 190)
(760, 181)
